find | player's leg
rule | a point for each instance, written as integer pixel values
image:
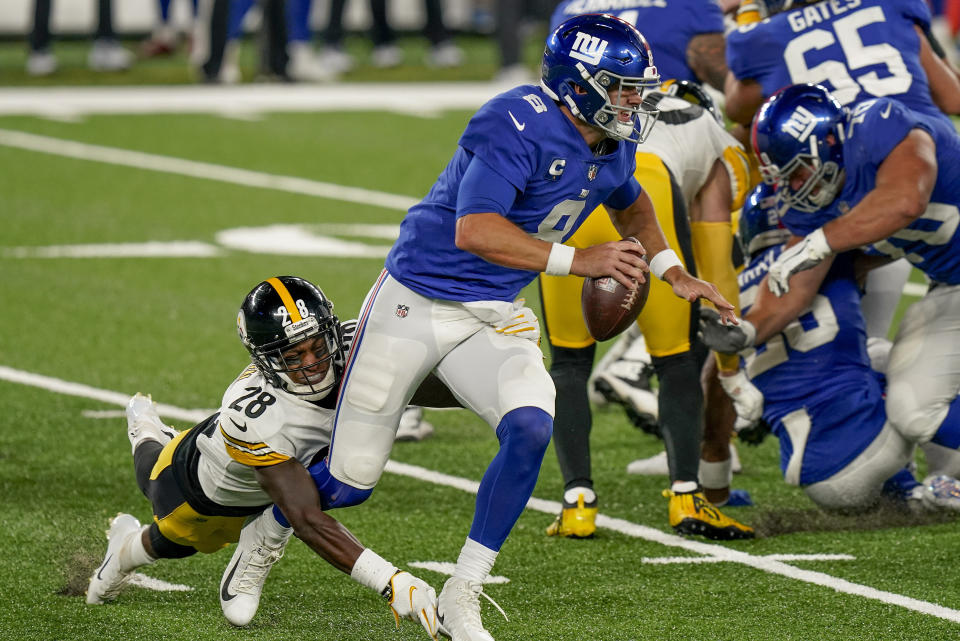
(502, 379)
(882, 293)
(400, 338)
(923, 373)
(572, 351)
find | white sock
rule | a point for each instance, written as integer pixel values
(272, 532)
(132, 553)
(682, 487)
(571, 495)
(475, 561)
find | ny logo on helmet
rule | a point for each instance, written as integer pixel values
(800, 124)
(588, 48)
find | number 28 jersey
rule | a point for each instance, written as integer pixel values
(857, 49)
(524, 137)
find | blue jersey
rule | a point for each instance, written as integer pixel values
(873, 129)
(821, 398)
(524, 137)
(668, 25)
(857, 49)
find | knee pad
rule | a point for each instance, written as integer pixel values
(526, 431)
(334, 493)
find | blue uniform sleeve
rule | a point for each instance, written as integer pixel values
(917, 11)
(482, 190)
(703, 17)
(492, 137)
(624, 195)
(875, 128)
(742, 47)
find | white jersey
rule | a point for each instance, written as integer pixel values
(258, 426)
(689, 141)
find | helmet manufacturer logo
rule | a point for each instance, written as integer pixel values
(588, 48)
(402, 311)
(800, 124)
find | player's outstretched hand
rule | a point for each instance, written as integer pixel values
(620, 259)
(691, 288)
(723, 336)
(414, 599)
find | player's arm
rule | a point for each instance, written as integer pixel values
(942, 77)
(640, 221)
(905, 180)
(292, 489)
(483, 200)
(743, 98)
(706, 55)
(770, 314)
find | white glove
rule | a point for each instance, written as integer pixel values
(747, 399)
(412, 598)
(804, 255)
(521, 322)
(727, 339)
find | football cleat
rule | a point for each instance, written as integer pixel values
(575, 521)
(458, 610)
(941, 492)
(692, 514)
(627, 383)
(109, 578)
(412, 426)
(245, 575)
(144, 424)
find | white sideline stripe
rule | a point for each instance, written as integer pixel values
(776, 557)
(150, 583)
(151, 249)
(765, 564)
(195, 169)
(445, 567)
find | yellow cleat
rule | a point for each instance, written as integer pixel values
(577, 522)
(691, 513)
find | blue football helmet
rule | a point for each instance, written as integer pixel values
(798, 133)
(607, 59)
(760, 221)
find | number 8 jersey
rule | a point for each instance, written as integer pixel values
(857, 49)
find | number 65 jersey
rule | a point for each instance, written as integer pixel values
(258, 426)
(857, 49)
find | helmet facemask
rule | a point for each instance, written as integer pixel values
(818, 190)
(282, 363)
(615, 92)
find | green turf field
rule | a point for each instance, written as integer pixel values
(82, 306)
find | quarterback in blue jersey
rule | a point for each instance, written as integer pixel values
(530, 166)
(883, 178)
(822, 398)
(858, 49)
(692, 51)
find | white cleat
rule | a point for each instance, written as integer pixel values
(412, 426)
(458, 610)
(109, 55)
(144, 424)
(41, 63)
(109, 578)
(656, 465)
(244, 577)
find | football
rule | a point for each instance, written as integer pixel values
(608, 307)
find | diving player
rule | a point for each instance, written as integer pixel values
(217, 482)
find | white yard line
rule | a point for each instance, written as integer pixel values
(769, 564)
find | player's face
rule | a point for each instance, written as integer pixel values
(799, 177)
(629, 97)
(310, 360)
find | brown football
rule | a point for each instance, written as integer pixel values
(610, 308)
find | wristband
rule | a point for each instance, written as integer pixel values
(663, 261)
(560, 260)
(372, 571)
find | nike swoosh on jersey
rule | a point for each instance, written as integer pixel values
(242, 428)
(224, 593)
(886, 112)
(520, 126)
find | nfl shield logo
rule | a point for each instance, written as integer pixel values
(592, 171)
(402, 311)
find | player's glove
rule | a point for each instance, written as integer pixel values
(521, 322)
(804, 255)
(414, 599)
(747, 399)
(728, 339)
(754, 434)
